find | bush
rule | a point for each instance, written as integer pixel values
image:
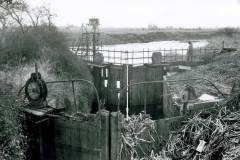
(47, 47)
(12, 140)
(228, 31)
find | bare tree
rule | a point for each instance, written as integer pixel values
(49, 15)
(39, 15)
(18, 12)
(36, 14)
(15, 10)
(5, 1)
(3, 20)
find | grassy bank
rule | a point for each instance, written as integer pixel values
(18, 54)
(223, 72)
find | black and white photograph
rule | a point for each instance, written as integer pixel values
(120, 80)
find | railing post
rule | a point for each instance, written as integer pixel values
(114, 56)
(132, 56)
(74, 97)
(148, 56)
(145, 100)
(205, 51)
(127, 108)
(170, 55)
(200, 55)
(176, 55)
(143, 57)
(182, 56)
(108, 56)
(121, 58)
(164, 55)
(143, 52)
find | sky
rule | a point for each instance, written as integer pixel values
(141, 13)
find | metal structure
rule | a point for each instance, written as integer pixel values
(73, 81)
(140, 57)
(36, 90)
(94, 31)
(165, 81)
(89, 41)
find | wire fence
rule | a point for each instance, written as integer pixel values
(140, 57)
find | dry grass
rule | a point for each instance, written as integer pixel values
(219, 131)
(139, 138)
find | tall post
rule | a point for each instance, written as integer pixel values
(148, 55)
(74, 97)
(114, 57)
(143, 57)
(36, 67)
(94, 41)
(164, 55)
(145, 100)
(127, 107)
(94, 23)
(132, 56)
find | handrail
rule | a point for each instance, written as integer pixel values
(168, 55)
(72, 81)
(164, 81)
(80, 80)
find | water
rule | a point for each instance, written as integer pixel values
(156, 45)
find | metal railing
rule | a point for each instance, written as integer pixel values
(162, 82)
(73, 81)
(140, 57)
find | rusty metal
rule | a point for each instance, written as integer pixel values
(80, 80)
(72, 82)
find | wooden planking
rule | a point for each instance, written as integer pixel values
(87, 139)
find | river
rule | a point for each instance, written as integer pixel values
(158, 45)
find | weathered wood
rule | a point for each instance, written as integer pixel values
(165, 126)
(115, 135)
(87, 139)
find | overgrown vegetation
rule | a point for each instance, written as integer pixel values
(28, 36)
(207, 135)
(12, 139)
(139, 138)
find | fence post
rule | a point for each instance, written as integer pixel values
(114, 56)
(145, 100)
(74, 97)
(176, 55)
(205, 51)
(121, 58)
(127, 108)
(132, 56)
(170, 55)
(148, 56)
(143, 57)
(108, 56)
(182, 56)
(200, 55)
(164, 55)
(143, 52)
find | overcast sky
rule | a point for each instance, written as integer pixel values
(141, 13)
